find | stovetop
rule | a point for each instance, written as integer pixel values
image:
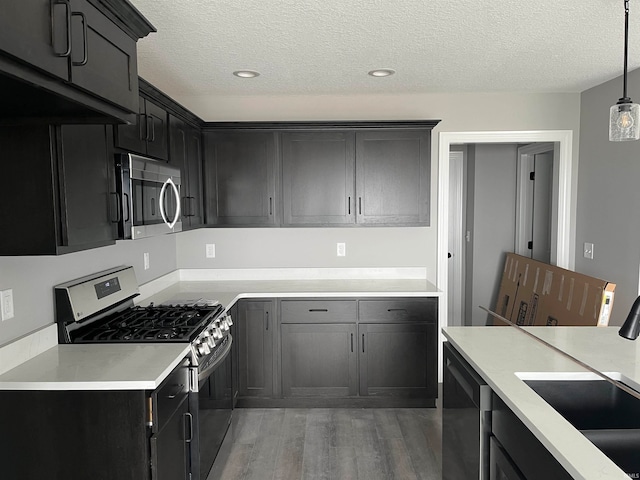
(162, 323)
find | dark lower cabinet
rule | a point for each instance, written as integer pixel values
(62, 196)
(501, 467)
(398, 360)
(521, 450)
(319, 360)
(101, 434)
(256, 325)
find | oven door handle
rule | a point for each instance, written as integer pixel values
(210, 368)
(176, 192)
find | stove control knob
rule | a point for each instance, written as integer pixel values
(217, 334)
(229, 320)
(211, 342)
(201, 349)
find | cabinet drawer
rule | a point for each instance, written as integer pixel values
(168, 397)
(318, 311)
(399, 311)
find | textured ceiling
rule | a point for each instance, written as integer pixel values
(304, 47)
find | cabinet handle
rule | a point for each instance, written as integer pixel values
(396, 309)
(126, 206)
(115, 205)
(189, 423)
(270, 205)
(152, 129)
(318, 310)
(176, 392)
(153, 207)
(349, 205)
(142, 126)
(67, 7)
(363, 343)
(352, 343)
(85, 48)
(267, 317)
(359, 205)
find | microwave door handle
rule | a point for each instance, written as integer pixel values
(161, 203)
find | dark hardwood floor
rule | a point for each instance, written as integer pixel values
(331, 443)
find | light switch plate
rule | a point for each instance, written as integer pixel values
(588, 250)
(6, 304)
(342, 249)
(211, 250)
(146, 260)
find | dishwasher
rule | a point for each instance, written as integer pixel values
(466, 420)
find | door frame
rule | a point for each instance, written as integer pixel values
(565, 211)
(524, 194)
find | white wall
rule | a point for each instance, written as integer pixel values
(609, 196)
(491, 204)
(32, 278)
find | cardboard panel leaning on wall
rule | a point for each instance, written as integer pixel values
(539, 294)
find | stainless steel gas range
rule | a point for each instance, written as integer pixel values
(100, 308)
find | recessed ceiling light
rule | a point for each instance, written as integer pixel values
(246, 73)
(382, 72)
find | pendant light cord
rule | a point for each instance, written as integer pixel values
(626, 47)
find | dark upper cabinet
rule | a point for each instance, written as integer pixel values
(36, 32)
(318, 178)
(61, 198)
(149, 135)
(240, 178)
(393, 175)
(70, 60)
(185, 152)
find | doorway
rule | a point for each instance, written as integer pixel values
(500, 200)
(564, 212)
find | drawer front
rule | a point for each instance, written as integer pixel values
(399, 310)
(168, 397)
(318, 311)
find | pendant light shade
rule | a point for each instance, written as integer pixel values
(624, 116)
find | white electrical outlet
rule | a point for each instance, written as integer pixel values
(211, 250)
(588, 250)
(146, 261)
(6, 304)
(342, 250)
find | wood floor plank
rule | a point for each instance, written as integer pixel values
(245, 426)
(426, 464)
(387, 423)
(315, 463)
(291, 450)
(370, 456)
(343, 463)
(231, 465)
(399, 462)
(261, 465)
(341, 428)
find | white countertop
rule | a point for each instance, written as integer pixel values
(227, 292)
(96, 367)
(127, 366)
(497, 353)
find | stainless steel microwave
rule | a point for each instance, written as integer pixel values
(149, 193)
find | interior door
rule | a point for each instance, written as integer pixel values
(541, 215)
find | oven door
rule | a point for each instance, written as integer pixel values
(150, 192)
(213, 403)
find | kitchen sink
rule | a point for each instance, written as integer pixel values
(607, 415)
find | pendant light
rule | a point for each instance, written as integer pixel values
(624, 116)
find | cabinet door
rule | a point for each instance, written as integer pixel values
(133, 138)
(318, 178)
(194, 212)
(157, 131)
(398, 359)
(36, 32)
(86, 199)
(501, 467)
(319, 360)
(103, 57)
(393, 177)
(255, 329)
(240, 169)
(169, 447)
